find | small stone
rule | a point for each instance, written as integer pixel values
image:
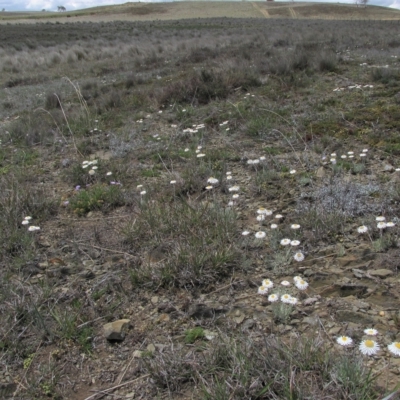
(320, 172)
(137, 354)
(151, 348)
(154, 299)
(381, 273)
(116, 330)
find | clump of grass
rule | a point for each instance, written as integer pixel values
(199, 238)
(97, 197)
(238, 368)
(194, 334)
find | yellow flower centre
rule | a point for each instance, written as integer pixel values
(397, 345)
(344, 338)
(369, 343)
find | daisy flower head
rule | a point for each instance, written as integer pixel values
(333, 154)
(263, 158)
(229, 177)
(344, 340)
(92, 172)
(294, 243)
(278, 216)
(285, 242)
(260, 217)
(173, 182)
(139, 186)
(390, 224)
(292, 171)
(212, 180)
(274, 226)
(260, 235)
(362, 229)
(28, 218)
(235, 196)
(380, 219)
(381, 225)
(273, 298)
(209, 187)
(262, 290)
(264, 211)
(343, 156)
(394, 348)
(350, 153)
(109, 173)
(297, 278)
(363, 154)
(228, 172)
(299, 256)
(295, 226)
(200, 155)
(365, 151)
(33, 228)
(25, 222)
(285, 298)
(285, 283)
(245, 233)
(267, 283)
(234, 189)
(301, 284)
(293, 301)
(370, 332)
(143, 192)
(369, 347)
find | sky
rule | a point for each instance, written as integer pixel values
(51, 5)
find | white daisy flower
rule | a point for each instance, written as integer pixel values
(292, 171)
(33, 228)
(285, 242)
(262, 290)
(234, 189)
(370, 331)
(380, 219)
(301, 284)
(245, 233)
(212, 180)
(209, 187)
(143, 192)
(297, 278)
(200, 155)
(369, 347)
(299, 256)
(274, 226)
(109, 173)
(381, 225)
(285, 298)
(362, 229)
(363, 155)
(344, 340)
(25, 222)
(295, 243)
(278, 216)
(173, 182)
(260, 235)
(285, 283)
(394, 348)
(92, 172)
(390, 224)
(295, 226)
(365, 151)
(293, 301)
(273, 298)
(267, 283)
(235, 196)
(229, 177)
(264, 211)
(260, 217)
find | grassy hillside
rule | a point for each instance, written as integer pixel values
(207, 9)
